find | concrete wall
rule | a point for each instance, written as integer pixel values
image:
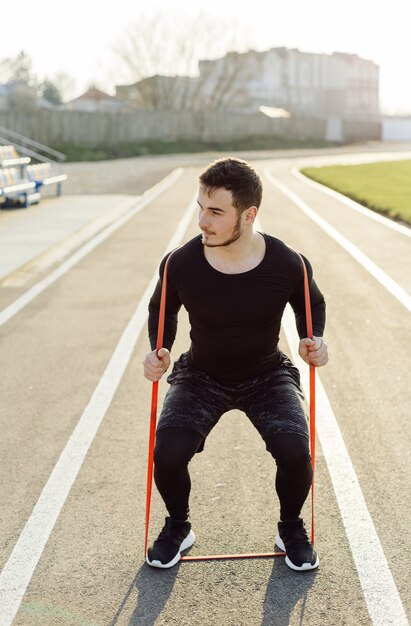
(57, 128)
(353, 130)
(396, 129)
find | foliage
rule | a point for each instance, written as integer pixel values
(157, 47)
(384, 187)
(50, 92)
(19, 69)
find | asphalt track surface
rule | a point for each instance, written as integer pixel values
(72, 521)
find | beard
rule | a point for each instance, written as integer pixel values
(236, 234)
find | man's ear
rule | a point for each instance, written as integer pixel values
(250, 214)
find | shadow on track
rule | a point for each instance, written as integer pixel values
(285, 590)
(154, 588)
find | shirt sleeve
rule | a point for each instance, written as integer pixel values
(297, 302)
(173, 306)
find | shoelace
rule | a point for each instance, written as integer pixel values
(165, 533)
(169, 531)
(297, 535)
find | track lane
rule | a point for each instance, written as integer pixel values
(53, 353)
(29, 295)
(366, 378)
(19, 568)
(232, 509)
(383, 245)
(379, 238)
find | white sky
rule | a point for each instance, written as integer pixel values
(77, 37)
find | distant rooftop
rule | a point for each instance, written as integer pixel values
(94, 94)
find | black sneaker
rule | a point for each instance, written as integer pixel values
(292, 539)
(173, 539)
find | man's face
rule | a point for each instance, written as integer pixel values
(218, 220)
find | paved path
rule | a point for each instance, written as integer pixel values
(26, 234)
(84, 566)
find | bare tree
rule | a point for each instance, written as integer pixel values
(66, 85)
(161, 53)
(22, 98)
(19, 69)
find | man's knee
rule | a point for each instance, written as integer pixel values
(175, 448)
(291, 452)
(168, 459)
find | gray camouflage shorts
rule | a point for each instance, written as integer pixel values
(273, 402)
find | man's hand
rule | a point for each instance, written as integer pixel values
(155, 365)
(313, 351)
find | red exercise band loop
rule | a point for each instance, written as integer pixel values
(154, 399)
(309, 324)
(153, 420)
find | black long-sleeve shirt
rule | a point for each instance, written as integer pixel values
(235, 318)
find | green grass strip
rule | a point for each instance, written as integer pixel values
(384, 187)
(118, 151)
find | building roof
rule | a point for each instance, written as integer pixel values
(94, 94)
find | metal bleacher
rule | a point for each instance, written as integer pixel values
(21, 180)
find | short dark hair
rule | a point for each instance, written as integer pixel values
(236, 176)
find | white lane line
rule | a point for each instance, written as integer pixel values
(42, 285)
(399, 228)
(380, 592)
(381, 595)
(17, 572)
(388, 283)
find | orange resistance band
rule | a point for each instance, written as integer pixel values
(153, 420)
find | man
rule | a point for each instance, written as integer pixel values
(234, 283)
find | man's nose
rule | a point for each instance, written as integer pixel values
(202, 219)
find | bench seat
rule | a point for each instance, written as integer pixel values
(42, 175)
(10, 158)
(16, 191)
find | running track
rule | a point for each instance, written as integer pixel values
(74, 419)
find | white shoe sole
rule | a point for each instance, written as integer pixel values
(304, 567)
(187, 543)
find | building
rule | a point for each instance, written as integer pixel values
(396, 128)
(93, 100)
(302, 83)
(334, 85)
(175, 93)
